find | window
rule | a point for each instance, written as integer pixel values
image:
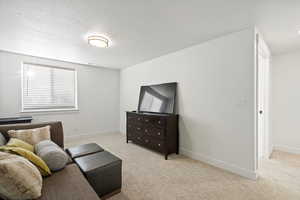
(47, 88)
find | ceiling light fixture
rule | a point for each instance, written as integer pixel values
(98, 41)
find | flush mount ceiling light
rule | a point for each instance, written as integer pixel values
(98, 41)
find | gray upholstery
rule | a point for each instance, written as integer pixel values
(52, 154)
(2, 140)
(67, 184)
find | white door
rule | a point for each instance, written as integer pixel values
(263, 62)
(260, 117)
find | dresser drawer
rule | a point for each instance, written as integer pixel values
(130, 127)
(135, 128)
(146, 141)
(138, 129)
(130, 132)
(130, 135)
(157, 145)
(134, 119)
(154, 121)
(137, 139)
(158, 133)
(134, 131)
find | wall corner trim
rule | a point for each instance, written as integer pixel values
(220, 164)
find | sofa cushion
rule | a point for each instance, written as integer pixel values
(31, 136)
(14, 142)
(19, 178)
(52, 154)
(56, 130)
(67, 184)
(2, 139)
(36, 160)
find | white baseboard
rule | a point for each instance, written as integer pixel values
(287, 149)
(89, 134)
(220, 164)
(217, 163)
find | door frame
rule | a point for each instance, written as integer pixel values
(261, 45)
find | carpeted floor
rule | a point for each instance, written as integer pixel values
(147, 176)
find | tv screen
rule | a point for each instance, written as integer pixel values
(158, 98)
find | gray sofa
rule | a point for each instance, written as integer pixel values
(67, 184)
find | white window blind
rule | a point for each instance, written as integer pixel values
(48, 88)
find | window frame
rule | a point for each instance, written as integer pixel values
(48, 109)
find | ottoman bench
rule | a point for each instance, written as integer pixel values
(83, 150)
(103, 171)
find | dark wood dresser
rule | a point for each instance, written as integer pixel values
(158, 132)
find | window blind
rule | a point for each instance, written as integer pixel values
(48, 88)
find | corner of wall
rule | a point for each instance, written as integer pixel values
(220, 164)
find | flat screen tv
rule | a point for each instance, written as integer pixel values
(158, 98)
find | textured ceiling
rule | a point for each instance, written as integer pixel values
(139, 29)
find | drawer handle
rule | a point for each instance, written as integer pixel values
(138, 128)
(159, 145)
(159, 121)
(158, 133)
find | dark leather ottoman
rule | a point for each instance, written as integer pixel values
(83, 150)
(103, 171)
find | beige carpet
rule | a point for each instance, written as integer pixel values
(147, 176)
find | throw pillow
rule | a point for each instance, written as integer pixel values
(19, 178)
(36, 160)
(14, 142)
(52, 154)
(31, 136)
(2, 139)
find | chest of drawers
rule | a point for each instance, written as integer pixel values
(158, 132)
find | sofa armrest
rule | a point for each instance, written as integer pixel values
(56, 130)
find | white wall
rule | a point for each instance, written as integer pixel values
(98, 96)
(285, 101)
(216, 98)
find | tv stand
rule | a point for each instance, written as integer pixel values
(155, 131)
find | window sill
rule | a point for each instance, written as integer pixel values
(50, 110)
